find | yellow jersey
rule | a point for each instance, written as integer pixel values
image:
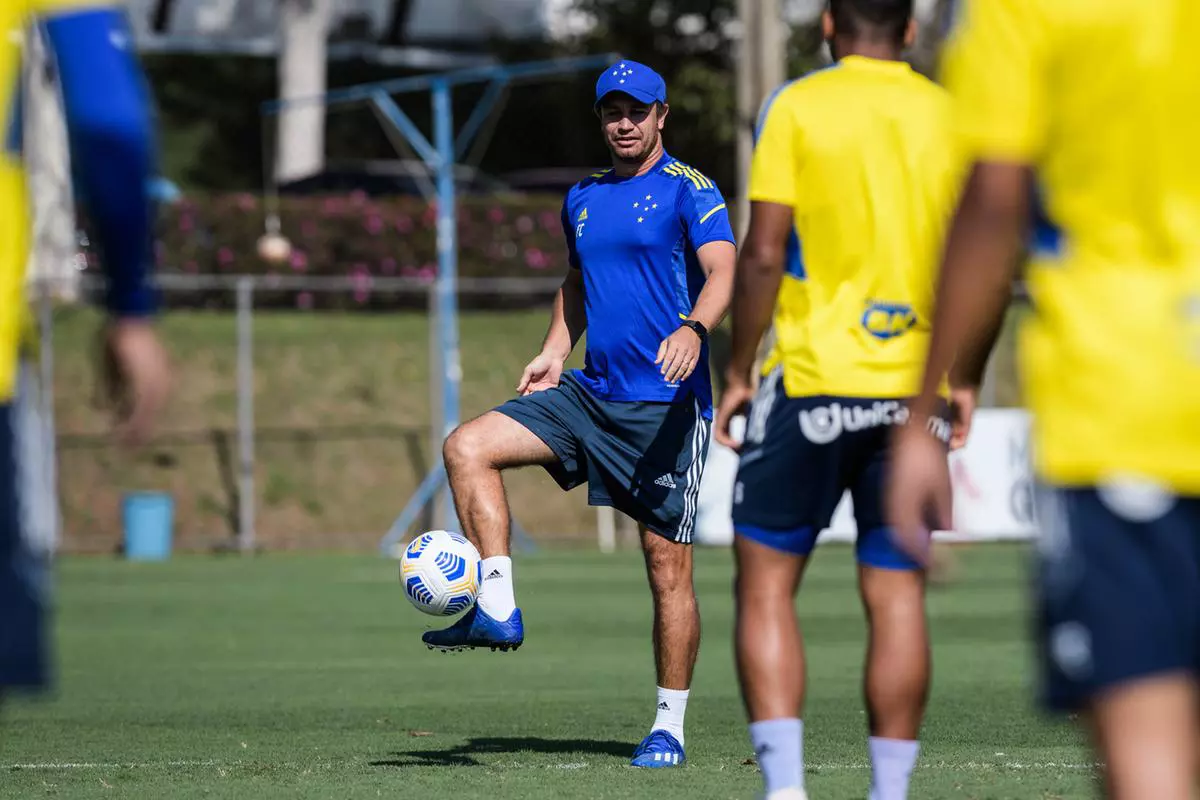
(1102, 99)
(863, 154)
(15, 223)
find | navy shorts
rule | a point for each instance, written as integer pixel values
(802, 454)
(1118, 573)
(24, 570)
(643, 459)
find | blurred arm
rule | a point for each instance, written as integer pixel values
(971, 363)
(107, 106)
(998, 69)
(756, 286)
(976, 278)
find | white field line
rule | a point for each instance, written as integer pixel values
(937, 766)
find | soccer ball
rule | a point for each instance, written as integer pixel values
(440, 573)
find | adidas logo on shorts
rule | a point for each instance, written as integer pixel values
(493, 574)
(667, 481)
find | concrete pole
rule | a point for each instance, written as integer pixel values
(761, 68)
(304, 36)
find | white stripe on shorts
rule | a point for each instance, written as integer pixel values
(695, 471)
(760, 409)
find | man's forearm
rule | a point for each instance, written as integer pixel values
(975, 283)
(713, 303)
(568, 320)
(756, 286)
(971, 362)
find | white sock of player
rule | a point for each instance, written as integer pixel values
(496, 592)
(779, 748)
(892, 762)
(672, 705)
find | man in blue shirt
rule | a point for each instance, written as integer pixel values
(652, 259)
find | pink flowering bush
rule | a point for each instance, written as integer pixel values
(359, 238)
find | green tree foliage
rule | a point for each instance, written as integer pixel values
(213, 137)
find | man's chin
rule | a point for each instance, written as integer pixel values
(629, 156)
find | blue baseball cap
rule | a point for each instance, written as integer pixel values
(634, 79)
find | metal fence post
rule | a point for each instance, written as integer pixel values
(245, 416)
(46, 401)
(437, 436)
(447, 277)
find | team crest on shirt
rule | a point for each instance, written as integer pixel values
(644, 207)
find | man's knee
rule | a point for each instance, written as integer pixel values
(669, 565)
(894, 601)
(467, 446)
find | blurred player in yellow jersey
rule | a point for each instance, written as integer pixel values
(853, 184)
(106, 102)
(1084, 116)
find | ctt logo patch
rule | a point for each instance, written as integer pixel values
(888, 320)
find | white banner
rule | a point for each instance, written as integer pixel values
(993, 487)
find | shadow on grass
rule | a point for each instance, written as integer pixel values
(464, 755)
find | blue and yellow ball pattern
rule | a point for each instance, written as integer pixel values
(441, 573)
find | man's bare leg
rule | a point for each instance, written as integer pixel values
(770, 661)
(676, 627)
(475, 455)
(1147, 732)
(897, 675)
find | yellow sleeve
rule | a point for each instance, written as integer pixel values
(995, 69)
(773, 170)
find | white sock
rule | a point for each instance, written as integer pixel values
(779, 748)
(496, 592)
(672, 705)
(892, 762)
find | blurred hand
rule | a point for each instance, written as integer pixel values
(918, 491)
(679, 354)
(135, 378)
(735, 400)
(542, 373)
(962, 411)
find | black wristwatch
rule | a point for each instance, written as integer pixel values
(699, 328)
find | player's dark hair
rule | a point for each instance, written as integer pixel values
(872, 19)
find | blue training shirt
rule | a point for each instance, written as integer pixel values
(636, 240)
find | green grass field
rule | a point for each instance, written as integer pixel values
(301, 676)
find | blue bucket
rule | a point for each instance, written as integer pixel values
(148, 518)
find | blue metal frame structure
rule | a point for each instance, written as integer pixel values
(441, 156)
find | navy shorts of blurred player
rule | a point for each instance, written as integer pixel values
(1118, 588)
(802, 454)
(644, 459)
(24, 566)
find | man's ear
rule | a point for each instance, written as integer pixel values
(663, 111)
(827, 30)
(910, 33)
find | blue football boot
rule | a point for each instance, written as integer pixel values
(477, 629)
(659, 749)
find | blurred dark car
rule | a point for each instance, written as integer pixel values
(391, 178)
